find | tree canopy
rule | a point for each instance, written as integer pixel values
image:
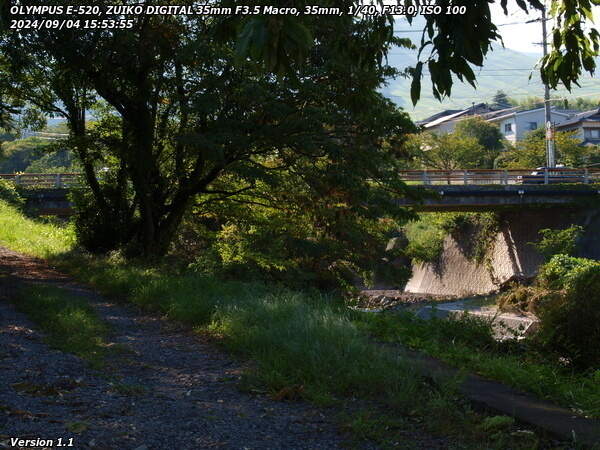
(531, 151)
(202, 109)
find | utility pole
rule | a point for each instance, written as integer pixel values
(550, 156)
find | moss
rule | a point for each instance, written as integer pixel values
(426, 236)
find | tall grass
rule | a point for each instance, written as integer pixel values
(301, 345)
(32, 237)
(301, 341)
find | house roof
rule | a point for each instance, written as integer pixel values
(588, 116)
(526, 111)
(436, 116)
(450, 114)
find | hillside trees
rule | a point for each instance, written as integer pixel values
(501, 100)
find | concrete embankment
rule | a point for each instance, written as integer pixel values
(510, 255)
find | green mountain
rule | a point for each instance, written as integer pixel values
(504, 69)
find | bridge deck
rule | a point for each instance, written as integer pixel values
(490, 197)
(501, 176)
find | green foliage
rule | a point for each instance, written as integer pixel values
(426, 236)
(289, 231)
(33, 237)
(570, 323)
(445, 151)
(10, 194)
(555, 242)
(579, 103)
(54, 162)
(100, 230)
(70, 323)
(488, 135)
(567, 302)
(531, 151)
(468, 343)
(495, 423)
(16, 156)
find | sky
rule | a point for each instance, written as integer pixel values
(521, 37)
(517, 35)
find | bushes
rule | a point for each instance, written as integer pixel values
(97, 230)
(570, 324)
(566, 299)
(559, 242)
(426, 237)
(10, 194)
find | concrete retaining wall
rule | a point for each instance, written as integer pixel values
(509, 257)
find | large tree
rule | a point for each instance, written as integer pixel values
(487, 134)
(196, 101)
(192, 114)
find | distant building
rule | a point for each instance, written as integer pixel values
(445, 121)
(514, 124)
(586, 125)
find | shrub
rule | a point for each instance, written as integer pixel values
(101, 231)
(526, 299)
(10, 194)
(570, 317)
(555, 242)
(561, 271)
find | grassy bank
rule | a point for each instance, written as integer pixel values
(34, 238)
(302, 345)
(467, 344)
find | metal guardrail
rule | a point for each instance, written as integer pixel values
(424, 177)
(44, 180)
(502, 177)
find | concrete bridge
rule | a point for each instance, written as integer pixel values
(46, 193)
(436, 190)
(488, 190)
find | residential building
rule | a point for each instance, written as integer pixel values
(514, 124)
(445, 121)
(586, 125)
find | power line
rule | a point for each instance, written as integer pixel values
(499, 25)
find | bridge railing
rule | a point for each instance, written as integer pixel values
(501, 176)
(44, 180)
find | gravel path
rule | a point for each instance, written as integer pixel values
(168, 390)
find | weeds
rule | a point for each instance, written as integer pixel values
(70, 323)
(303, 345)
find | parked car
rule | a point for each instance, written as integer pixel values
(555, 176)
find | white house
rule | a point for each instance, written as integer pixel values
(445, 121)
(514, 125)
(587, 126)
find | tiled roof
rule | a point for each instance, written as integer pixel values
(593, 115)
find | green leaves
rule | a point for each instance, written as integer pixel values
(459, 42)
(415, 88)
(276, 41)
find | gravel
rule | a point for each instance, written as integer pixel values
(166, 388)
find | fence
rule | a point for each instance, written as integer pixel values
(508, 176)
(44, 180)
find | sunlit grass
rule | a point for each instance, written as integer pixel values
(33, 237)
(300, 345)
